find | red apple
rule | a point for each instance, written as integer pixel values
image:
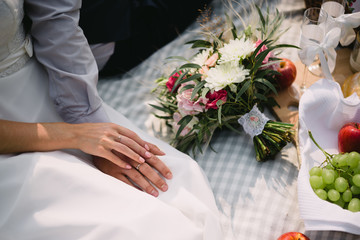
(287, 70)
(349, 137)
(293, 236)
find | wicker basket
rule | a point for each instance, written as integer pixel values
(317, 3)
(313, 3)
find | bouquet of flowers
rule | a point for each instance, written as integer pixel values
(228, 82)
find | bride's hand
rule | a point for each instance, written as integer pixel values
(143, 176)
(107, 139)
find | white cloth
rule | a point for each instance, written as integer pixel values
(323, 110)
(325, 50)
(253, 122)
(60, 195)
(60, 45)
(348, 23)
(102, 53)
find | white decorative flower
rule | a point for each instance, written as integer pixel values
(226, 74)
(201, 57)
(236, 49)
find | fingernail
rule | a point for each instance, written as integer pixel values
(154, 193)
(147, 147)
(162, 152)
(148, 155)
(164, 187)
(169, 175)
(128, 166)
(141, 160)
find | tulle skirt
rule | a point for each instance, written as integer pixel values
(61, 195)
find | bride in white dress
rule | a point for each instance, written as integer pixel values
(49, 189)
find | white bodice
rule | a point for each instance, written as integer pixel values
(15, 46)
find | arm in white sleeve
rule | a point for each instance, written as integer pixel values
(61, 47)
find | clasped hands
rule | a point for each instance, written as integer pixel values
(121, 153)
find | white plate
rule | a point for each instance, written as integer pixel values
(323, 110)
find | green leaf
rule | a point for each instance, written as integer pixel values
(183, 122)
(199, 43)
(233, 31)
(260, 15)
(265, 42)
(184, 80)
(232, 128)
(178, 81)
(177, 58)
(197, 88)
(198, 145)
(262, 73)
(189, 86)
(260, 58)
(260, 96)
(161, 108)
(243, 89)
(272, 102)
(266, 83)
(219, 113)
(190, 65)
(162, 117)
(204, 92)
(219, 103)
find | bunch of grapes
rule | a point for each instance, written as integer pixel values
(337, 179)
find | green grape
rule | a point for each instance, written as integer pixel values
(353, 159)
(321, 193)
(330, 186)
(356, 180)
(315, 171)
(355, 189)
(329, 166)
(339, 160)
(354, 205)
(341, 184)
(356, 170)
(316, 182)
(328, 176)
(333, 195)
(334, 159)
(347, 195)
(340, 203)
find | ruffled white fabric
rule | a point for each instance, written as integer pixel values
(323, 110)
(348, 23)
(60, 195)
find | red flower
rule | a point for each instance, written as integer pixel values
(214, 97)
(171, 82)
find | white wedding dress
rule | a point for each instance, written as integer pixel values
(60, 195)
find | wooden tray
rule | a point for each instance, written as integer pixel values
(288, 99)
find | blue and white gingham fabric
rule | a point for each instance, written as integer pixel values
(256, 200)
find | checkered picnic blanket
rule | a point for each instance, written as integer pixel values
(256, 200)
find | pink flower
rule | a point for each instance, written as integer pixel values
(211, 61)
(268, 56)
(204, 70)
(171, 82)
(187, 106)
(177, 117)
(214, 97)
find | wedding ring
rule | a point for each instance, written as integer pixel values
(119, 138)
(138, 166)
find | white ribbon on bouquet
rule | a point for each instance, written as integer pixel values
(325, 50)
(348, 22)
